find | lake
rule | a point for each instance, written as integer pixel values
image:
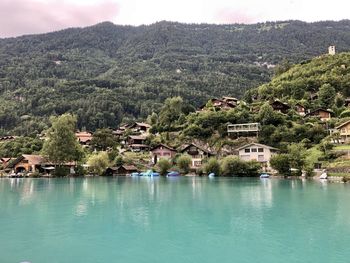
(126, 219)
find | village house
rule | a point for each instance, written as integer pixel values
(136, 128)
(137, 143)
(322, 114)
(347, 102)
(8, 138)
(84, 138)
(300, 109)
(27, 163)
(162, 151)
(231, 100)
(226, 103)
(197, 154)
(257, 152)
(121, 170)
(344, 132)
(280, 106)
(244, 129)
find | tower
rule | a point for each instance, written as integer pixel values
(331, 50)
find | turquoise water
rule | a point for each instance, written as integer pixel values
(173, 220)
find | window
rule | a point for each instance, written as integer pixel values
(261, 158)
(254, 150)
(260, 150)
(247, 150)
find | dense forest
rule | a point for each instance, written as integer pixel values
(107, 73)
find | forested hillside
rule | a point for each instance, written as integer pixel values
(107, 72)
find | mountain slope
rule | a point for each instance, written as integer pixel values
(106, 72)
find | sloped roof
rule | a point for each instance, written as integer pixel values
(165, 146)
(256, 144)
(343, 124)
(32, 159)
(319, 109)
(184, 147)
(83, 136)
(137, 137)
(142, 124)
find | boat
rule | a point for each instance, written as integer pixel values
(211, 175)
(149, 173)
(264, 175)
(135, 174)
(323, 175)
(173, 173)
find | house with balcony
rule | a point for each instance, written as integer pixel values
(280, 106)
(322, 114)
(197, 154)
(344, 132)
(244, 129)
(137, 143)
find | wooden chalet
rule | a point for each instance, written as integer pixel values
(300, 109)
(27, 163)
(344, 132)
(280, 106)
(347, 102)
(162, 151)
(225, 103)
(122, 170)
(137, 143)
(322, 114)
(197, 154)
(84, 138)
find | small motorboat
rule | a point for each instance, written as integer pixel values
(211, 175)
(324, 175)
(264, 175)
(149, 173)
(135, 174)
(173, 173)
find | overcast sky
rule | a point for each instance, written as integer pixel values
(18, 17)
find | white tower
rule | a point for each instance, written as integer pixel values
(331, 50)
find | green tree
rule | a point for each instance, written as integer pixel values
(163, 166)
(297, 155)
(61, 145)
(98, 163)
(233, 166)
(184, 162)
(170, 112)
(103, 139)
(281, 163)
(212, 166)
(326, 95)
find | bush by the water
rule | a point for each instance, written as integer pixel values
(212, 166)
(184, 162)
(233, 166)
(163, 166)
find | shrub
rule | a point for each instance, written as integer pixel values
(98, 163)
(61, 171)
(183, 162)
(163, 166)
(233, 166)
(212, 166)
(281, 163)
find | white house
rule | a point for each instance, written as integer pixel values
(258, 152)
